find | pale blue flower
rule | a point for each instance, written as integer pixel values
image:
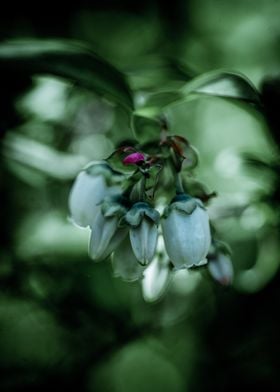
(157, 275)
(221, 269)
(143, 220)
(106, 233)
(89, 189)
(186, 232)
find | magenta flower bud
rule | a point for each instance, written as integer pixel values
(134, 158)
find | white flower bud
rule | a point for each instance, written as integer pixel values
(186, 232)
(143, 232)
(157, 275)
(125, 264)
(88, 191)
(220, 268)
(106, 234)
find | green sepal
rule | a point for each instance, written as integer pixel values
(139, 211)
(200, 204)
(183, 203)
(222, 247)
(96, 168)
(113, 206)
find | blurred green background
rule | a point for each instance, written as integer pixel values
(67, 323)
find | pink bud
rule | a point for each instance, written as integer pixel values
(134, 158)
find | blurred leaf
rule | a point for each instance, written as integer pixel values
(223, 84)
(29, 335)
(70, 60)
(255, 162)
(48, 235)
(38, 156)
(266, 265)
(217, 84)
(145, 129)
(141, 367)
(154, 71)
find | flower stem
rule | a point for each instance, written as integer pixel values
(142, 189)
(164, 129)
(179, 184)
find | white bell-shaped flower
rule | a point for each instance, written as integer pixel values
(143, 231)
(125, 264)
(186, 232)
(157, 275)
(221, 269)
(106, 235)
(88, 191)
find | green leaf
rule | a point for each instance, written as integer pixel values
(162, 99)
(115, 160)
(153, 71)
(145, 129)
(140, 210)
(67, 59)
(223, 84)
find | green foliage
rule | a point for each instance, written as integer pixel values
(70, 60)
(146, 129)
(225, 85)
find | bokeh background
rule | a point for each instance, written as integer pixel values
(67, 323)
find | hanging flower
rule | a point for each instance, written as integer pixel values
(106, 234)
(125, 264)
(143, 221)
(157, 275)
(115, 198)
(220, 267)
(186, 232)
(88, 191)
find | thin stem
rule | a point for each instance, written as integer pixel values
(179, 184)
(131, 181)
(164, 129)
(142, 189)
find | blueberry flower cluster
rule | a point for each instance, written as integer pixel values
(147, 213)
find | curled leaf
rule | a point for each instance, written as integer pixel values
(71, 60)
